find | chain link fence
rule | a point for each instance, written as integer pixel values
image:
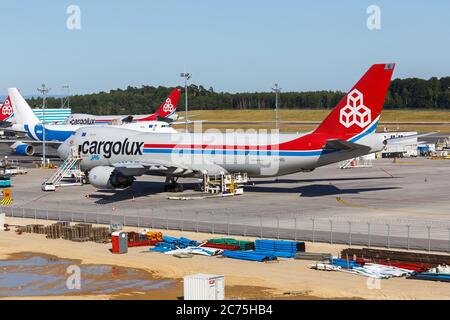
(412, 235)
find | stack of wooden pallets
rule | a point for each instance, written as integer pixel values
(100, 234)
(70, 233)
(84, 232)
(80, 232)
(54, 231)
(35, 228)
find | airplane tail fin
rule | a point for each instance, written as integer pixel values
(6, 110)
(22, 111)
(169, 106)
(360, 110)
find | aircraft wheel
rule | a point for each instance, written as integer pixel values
(175, 187)
(179, 187)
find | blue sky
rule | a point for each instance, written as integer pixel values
(230, 45)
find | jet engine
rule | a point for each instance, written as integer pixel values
(22, 149)
(103, 177)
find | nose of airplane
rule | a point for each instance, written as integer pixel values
(65, 148)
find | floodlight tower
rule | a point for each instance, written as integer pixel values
(186, 77)
(277, 91)
(67, 97)
(43, 90)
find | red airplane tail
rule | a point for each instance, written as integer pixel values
(6, 110)
(360, 109)
(167, 108)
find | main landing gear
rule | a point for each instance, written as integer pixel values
(171, 185)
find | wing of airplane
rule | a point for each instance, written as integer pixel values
(343, 145)
(168, 120)
(407, 138)
(138, 168)
(189, 122)
(122, 174)
(156, 166)
(26, 147)
(7, 127)
(32, 142)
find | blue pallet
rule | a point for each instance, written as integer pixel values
(278, 254)
(431, 276)
(281, 248)
(169, 239)
(247, 255)
(188, 242)
(346, 264)
(282, 254)
(163, 247)
(180, 242)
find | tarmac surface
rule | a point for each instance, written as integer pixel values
(402, 204)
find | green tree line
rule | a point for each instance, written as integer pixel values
(411, 93)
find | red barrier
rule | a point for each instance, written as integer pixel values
(419, 267)
(221, 246)
(142, 243)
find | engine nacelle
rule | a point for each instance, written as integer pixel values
(23, 149)
(103, 177)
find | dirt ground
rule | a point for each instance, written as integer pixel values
(286, 279)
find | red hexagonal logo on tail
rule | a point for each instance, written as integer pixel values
(168, 106)
(355, 112)
(7, 107)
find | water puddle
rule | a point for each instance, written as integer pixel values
(30, 274)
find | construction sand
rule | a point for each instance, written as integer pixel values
(286, 279)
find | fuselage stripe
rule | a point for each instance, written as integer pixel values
(238, 152)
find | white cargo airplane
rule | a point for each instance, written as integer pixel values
(115, 156)
(166, 112)
(27, 122)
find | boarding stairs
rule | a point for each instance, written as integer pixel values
(66, 169)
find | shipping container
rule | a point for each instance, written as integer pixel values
(204, 287)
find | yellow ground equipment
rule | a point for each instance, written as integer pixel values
(6, 197)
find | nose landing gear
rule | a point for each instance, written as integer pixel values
(171, 185)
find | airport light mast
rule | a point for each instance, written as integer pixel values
(186, 77)
(277, 91)
(44, 90)
(67, 97)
